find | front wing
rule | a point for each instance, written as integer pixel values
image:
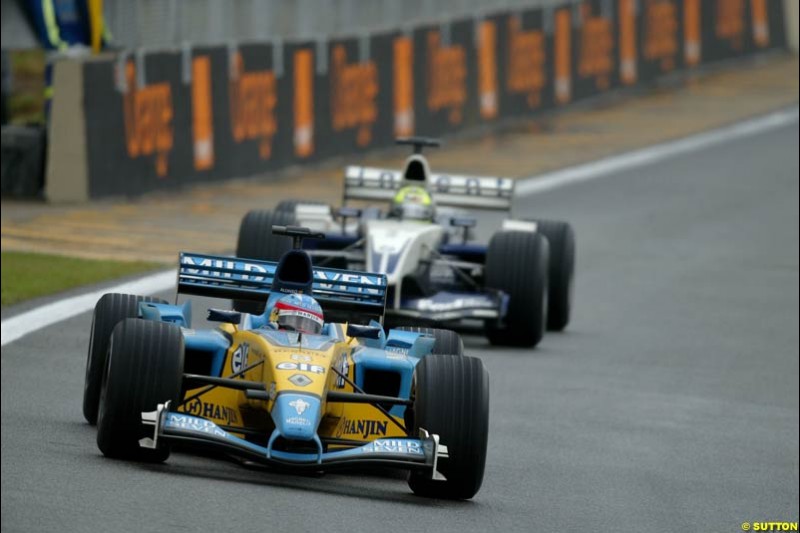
(450, 305)
(422, 453)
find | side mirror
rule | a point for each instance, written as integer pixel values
(465, 223)
(297, 233)
(223, 315)
(349, 212)
(364, 332)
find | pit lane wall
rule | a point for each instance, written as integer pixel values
(145, 121)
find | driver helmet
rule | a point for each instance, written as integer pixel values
(413, 203)
(298, 312)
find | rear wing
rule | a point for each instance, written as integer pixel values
(366, 183)
(348, 294)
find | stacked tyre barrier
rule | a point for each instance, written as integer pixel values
(161, 120)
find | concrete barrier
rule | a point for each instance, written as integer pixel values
(791, 9)
(67, 174)
(161, 120)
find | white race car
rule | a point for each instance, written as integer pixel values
(517, 285)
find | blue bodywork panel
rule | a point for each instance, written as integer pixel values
(212, 341)
(296, 416)
(468, 252)
(399, 352)
(414, 450)
(175, 314)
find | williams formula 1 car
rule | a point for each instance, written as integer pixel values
(518, 285)
(347, 394)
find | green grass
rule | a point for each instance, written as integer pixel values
(29, 275)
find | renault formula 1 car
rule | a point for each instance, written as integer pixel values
(518, 285)
(349, 395)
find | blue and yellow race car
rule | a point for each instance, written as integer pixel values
(286, 388)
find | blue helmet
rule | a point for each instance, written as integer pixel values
(298, 312)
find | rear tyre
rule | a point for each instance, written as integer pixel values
(516, 263)
(144, 368)
(451, 399)
(289, 206)
(256, 241)
(108, 312)
(447, 342)
(561, 238)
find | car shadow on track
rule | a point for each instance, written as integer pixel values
(382, 485)
(360, 483)
(551, 345)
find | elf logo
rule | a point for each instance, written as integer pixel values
(302, 367)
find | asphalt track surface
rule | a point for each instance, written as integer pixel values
(670, 404)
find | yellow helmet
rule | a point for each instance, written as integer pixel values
(413, 203)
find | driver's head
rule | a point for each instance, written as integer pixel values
(413, 203)
(298, 312)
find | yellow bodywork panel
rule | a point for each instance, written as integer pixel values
(289, 369)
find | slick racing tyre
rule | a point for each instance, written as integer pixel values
(447, 342)
(451, 399)
(561, 239)
(256, 241)
(144, 368)
(108, 312)
(288, 210)
(289, 206)
(516, 263)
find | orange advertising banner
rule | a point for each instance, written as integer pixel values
(760, 23)
(596, 47)
(526, 70)
(563, 56)
(148, 119)
(692, 39)
(627, 41)
(354, 91)
(202, 114)
(446, 76)
(253, 97)
(660, 24)
(304, 103)
(403, 73)
(487, 69)
(161, 119)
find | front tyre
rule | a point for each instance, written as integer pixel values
(110, 310)
(144, 368)
(561, 238)
(451, 399)
(517, 263)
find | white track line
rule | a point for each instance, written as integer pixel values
(40, 317)
(655, 153)
(19, 325)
